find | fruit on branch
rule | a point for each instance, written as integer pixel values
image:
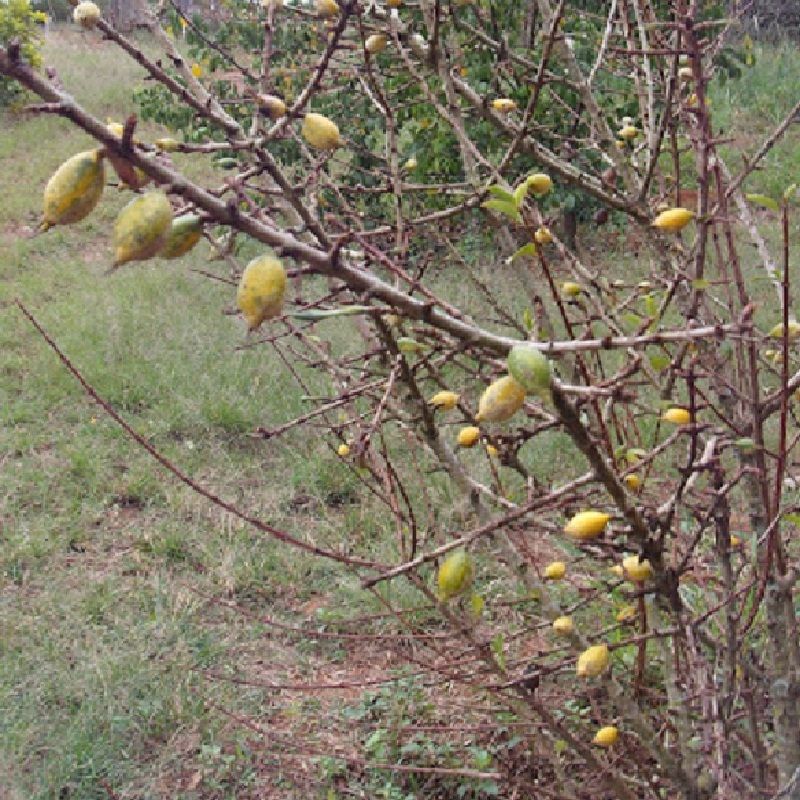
(327, 8)
(628, 133)
(468, 436)
(74, 189)
(86, 14)
(593, 661)
(606, 736)
(504, 105)
(405, 344)
(419, 45)
(570, 288)
(271, 106)
(563, 626)
(792, 330)
(637, 569)
(167, 145)
(492, 451)
(677, 416)
(617, 570)
(410, 164)
(500, 400)
(555, 571)
(529, 367)
(321, 132)
(455, 575)
(115, 128)
(673, 219)
(261, 291)
(539, 184)
(184, 234)
(343, 450)
(633, 482)
(735, 541)
(376, 43)
(543, 235)
(445, 400)
(142, 228)
(627, 613)
(587, 525)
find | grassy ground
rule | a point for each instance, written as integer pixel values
(107, 564)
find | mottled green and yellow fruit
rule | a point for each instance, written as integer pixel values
(673, 219)
(500, 400)
(529, 367)
(555, 571)
(633, 482)
(628, 132)
(321, 132)
(444, 400)
(637, 569)
(271, 106)
(563, 626)
(792, 330)
(86, 14)
(410, 164)
(587, 525)
(570, 288)
(677, 416)
(74, 189)
(468, 436)
(455, 575)
(492, 451)
(504, 105)
(262, 289)
(539, 184)
(627, 613)
(142, 228)
(167, 144)
(606, 737)
(376, 43)
(343, 450)
(326, 8)
(184, 234)
(593, 662)
(543, 235)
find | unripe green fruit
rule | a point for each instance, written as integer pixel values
(530, 368)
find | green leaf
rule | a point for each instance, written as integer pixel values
(476, 604)
(506, 207)
(501, 194)
(763, 200)
(792, 519)
(650, 305)
(659, 362)
(631, 321)
(700, 284)
(520, 193)
(527, 319)
(526, 250)
(497, 649)
(318, 313)
(791, 190)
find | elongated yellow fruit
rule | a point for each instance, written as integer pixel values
(343, 450)
(539, 184)
(677, 416)
(633, 482)
(570, 288)
(627, 613)
(563, 626)
(468, 437)
(74, 189)
(376, 43)
(327, 8)
(606, 736)
(445, 400)
(673, 219)
(500, 400)
(555, 571)
(455, 575)
(636, 569)
(543, 235)
(261, 291)
(593, 662)
(184, 234)
(792, 330)
(167, 144)
(504, 105)
(271, 106)
(529, 367)
(142, 228)
(628, 132)
(321, 132)
(587, 525)
(86, 14)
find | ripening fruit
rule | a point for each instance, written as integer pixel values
(327, 8)
(627, 613)
(587, 525)
(115, 128)
(606, 737)
(543, 235)
(571, 289)
(394, 3)
(74, 189)
(529, 367)
(792, 330)
(617, 570)
(633, 482)
(376, 43)
(563, 626)
(271, 106)
(673, 219)
(539, 184)
(142, 228)
(735, 541)
(593, 662)
(405, 344)
(411, 163)
(555, 571)
(504, 105)
(636, 569)
(455, 575)
(343, 450)
(492, 451)
(167, 145)
(628, 132)
(677, 416)
(500, 400)
(184, 234)
(86, 15)
(445, 400)
(261, 291)
(320, 132)
(468, 437)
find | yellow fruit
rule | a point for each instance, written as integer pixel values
(539, 184)
(677, 416)
(620, 144)
(633, 482)
(343, 450)
(320, 132)
(570, 288)
(444, 400)
(405, 344)
(376, 43)
(468, 437)
(792, 330)
(636, 569)
(617, 570)
(543, 235)
(197, 70)
(555, 571)
(492, 450)
(529, 367)
(184, 234)
(142, 228)
(606, 737)
(627, 613)
(563, 626)
(692, 99)
(74, 189)
(735, 541)
(262, 289)
(503, 105)
(593, 662)
(500, 400)
(271, 106)
(455, 575)
(411, 163)
(673, 219)
(167, 145)
(628, 132)
(115, 128)
(86, 15)
(327, 8)
(394, 3)
(587, 525)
